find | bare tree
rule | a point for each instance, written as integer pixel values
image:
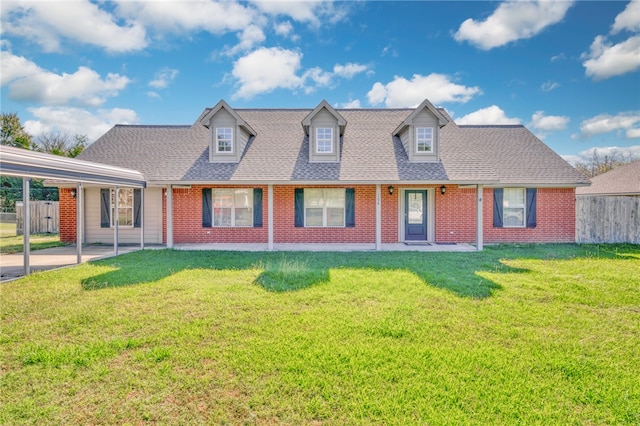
(601, 163)
(61, 144)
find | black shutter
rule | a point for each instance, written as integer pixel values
(497, 207)
(531, 207)
(350, 210)
(206, 207)
(137, 205)
(298, 199)
(257, 207)
(105, 208)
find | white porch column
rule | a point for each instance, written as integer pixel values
(26, 226)
(270, 216)
(479, 214)
(115, 220)
(79, 222)
(378, 217)
(141, 218)
(169, 216)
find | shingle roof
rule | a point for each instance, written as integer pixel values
(623, 180)
(370, 153)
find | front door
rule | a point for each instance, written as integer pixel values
(415, 215)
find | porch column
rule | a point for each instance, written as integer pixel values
(169, 195)
(141, 218)
(479, 224)
(270, 216)
(115, 220)
(26, 226)
(378, 217)
(79, 225)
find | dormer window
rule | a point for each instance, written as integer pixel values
(224, 140)
(324, 140)
(424, 139)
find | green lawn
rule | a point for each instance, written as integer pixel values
(7, 229)
(511, 335)
(10, 243)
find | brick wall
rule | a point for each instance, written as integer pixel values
(68, 215)
(555, 219)
(455, 215)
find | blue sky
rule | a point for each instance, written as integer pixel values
(569, 71)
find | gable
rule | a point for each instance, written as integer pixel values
(420, 133)
(324, 128)
(228, 133)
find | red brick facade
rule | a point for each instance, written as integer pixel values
(454, 212)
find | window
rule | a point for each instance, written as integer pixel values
(324, 207)
(324, 140)
(125, 207)
(424, 139)
(513, 208)
(224, 139)
(232, 207)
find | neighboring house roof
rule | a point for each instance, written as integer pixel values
(623, 180)
(509, 155)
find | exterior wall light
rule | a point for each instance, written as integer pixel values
(390, 188)
(443, 189)
(73, 193)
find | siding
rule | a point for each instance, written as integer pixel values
(324, 119)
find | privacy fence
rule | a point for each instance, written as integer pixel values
(44, 215)
(607, 219)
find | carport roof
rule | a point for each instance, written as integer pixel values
(22, 162)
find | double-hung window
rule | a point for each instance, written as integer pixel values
(514, 208)
(324, 207)
(125, 207)
(324, 140)
(424, 139)
(232, 207)
(224, 140)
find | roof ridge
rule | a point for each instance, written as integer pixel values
(491, 126)
(155, 125)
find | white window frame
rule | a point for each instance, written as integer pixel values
(509, 204)
(324, 140)
(122, 207)
(225, 140)
(324, 205)
(234, 206)
(423, 140)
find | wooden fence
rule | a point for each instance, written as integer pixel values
(607, 219)
(45, 217)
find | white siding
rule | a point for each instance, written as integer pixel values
(423, 119)
(224, 119)
(324, 119)
(152, 220)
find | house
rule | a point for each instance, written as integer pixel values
(371, 176)
(608, 211)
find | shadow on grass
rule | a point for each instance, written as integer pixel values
(457, 273)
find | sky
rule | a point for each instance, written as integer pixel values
(568, 70)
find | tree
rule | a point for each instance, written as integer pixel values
(603, 163)
(12, 133)
(61, 144)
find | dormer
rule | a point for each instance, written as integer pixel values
(228, 133)
(420, 133)
(324, 128)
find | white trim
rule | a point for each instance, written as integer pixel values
(431, 150)
(378, 217)
(231, 140)
(479, 218)
(523, 207)
(233, 207)
(325, 208)
(331, 130)
(270, 216)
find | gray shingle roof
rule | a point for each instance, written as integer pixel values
(279, 153)
(623, 180)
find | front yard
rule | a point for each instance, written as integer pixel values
(511, 335)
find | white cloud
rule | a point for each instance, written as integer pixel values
(163, 77)
(438, 88)
(75, 121)
(549, 122)
(312, 12)
(606, 60)
(512, 21)
(626, 152)
(548, 86)
(47, 23)
(558, 57)
(268, 69)
(354, 104)
(283, 28)
(627, 122)
(628, 19)
(489, 115)
(251, 36)
(28, 82)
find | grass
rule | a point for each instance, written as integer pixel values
(10, 243)
(511, 335)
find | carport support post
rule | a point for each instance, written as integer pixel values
(26, 226)
(79, 225)
(115, 221)
(479, 224)
(141, 219)
(169, 216)
(378, 217)
(270, 216)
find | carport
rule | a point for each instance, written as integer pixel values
(29, 164)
